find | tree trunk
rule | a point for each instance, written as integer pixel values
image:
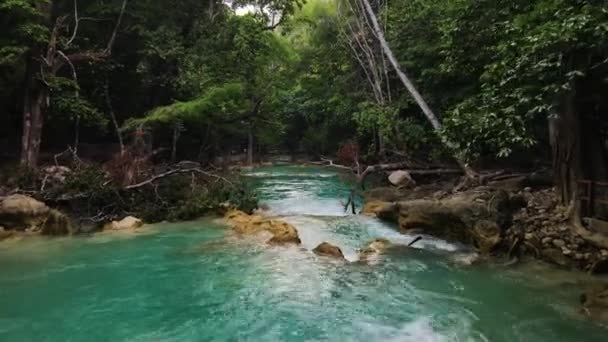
(430, 115)
(34, 102)
(113, 117)
(250, 147)
(176, 134)
(564, 134)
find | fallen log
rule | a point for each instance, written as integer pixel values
(174, 171)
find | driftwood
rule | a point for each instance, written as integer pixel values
(175, 171)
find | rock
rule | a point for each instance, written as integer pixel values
(128, 223)
(6, 234)
(578, 256)
(559, 243)
(373, 250)
(329, 250)
(245, 224)
(465, 259)
(57, 224)
(486, 235)
(382, 210)
(400, 178)
(556, 256)
(383, 194)
(595, 304)
(546, 240)
(604, 252)
(529, 236)
(21, 212)
(566, 251)
(458, 218)
(283, 233)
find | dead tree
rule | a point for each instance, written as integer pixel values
(356, 32)
(370, 18)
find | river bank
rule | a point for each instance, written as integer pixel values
(283, 292)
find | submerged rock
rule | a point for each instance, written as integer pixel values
(128, 223)
(595, 304)
(243, 223)
(373, 250)
(329, 250)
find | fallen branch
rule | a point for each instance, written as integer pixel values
(398, 166)
(175, 171)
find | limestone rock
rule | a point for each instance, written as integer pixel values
(595, 304)
(329, 250)
(380, 209)
(383, 194)
(477, 218)
(373, 250)
(245, 224)
(128, 223)
(57, 224)
(21, 212)
(400, 178)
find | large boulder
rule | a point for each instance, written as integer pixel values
(328, 250)
(128, 223)
(477, 218)
(19, 212)
(400, 178)
(595, 304)
(245, 224)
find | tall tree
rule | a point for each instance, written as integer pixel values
(44, 61)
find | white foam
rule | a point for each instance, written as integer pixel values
(419, 330)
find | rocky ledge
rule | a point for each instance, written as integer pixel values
(20, 214)
(479, 218)
(514, 224)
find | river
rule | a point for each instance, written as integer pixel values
(195, 281)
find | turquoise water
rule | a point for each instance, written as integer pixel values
(197, 282)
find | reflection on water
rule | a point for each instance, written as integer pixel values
(197, 282)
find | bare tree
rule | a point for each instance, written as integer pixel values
(357, 32)
(368, 16)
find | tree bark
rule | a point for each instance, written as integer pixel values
(34, 103)
(249, 147)
(113, 117)
(565, 143)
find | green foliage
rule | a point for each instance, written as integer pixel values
(217, 103)
(90, 193)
